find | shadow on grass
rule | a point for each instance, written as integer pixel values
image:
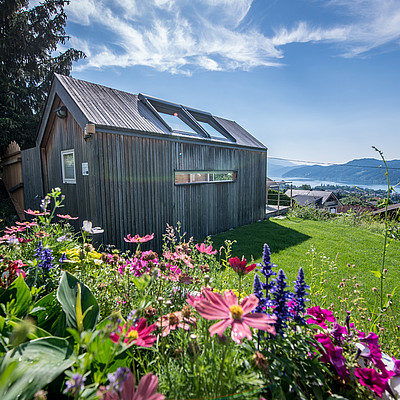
(251, 238)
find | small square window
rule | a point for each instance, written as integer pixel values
(68, 166)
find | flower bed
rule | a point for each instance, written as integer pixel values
(88, 324)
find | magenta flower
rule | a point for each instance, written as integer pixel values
(319, 316)
(66, 216)
(146, 390)
(226, 308)
(240, 266)
(18, 264)
(332, 354)
(372, 379)
(207, 250)
(139, 239)
(371, 338)
(138, 333)
(338, 331)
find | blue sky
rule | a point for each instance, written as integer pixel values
(312, 79)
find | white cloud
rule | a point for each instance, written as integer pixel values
(376, 23)
(180, 36)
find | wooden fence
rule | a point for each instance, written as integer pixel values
(11, 164)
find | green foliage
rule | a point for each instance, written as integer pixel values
(78, 303)
(309, 213)
(273, 198)
(33, 365)
(29, 37)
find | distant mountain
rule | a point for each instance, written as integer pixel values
(359, 171)
(278, 167)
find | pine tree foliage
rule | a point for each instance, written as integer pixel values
(30, 43)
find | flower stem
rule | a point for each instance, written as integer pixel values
(221, 368)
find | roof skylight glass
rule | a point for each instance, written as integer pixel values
(176, 123)
(211, 130)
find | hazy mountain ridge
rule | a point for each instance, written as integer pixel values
(358, 171)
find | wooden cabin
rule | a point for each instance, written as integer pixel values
(133, 163)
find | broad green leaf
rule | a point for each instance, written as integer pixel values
(67, 295)
(19, 294)
(46, 311)
(38, 363)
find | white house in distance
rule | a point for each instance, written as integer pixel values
(315, 198)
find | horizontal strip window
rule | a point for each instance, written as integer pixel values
(193, 177)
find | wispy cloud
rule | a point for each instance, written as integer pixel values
(182, 36)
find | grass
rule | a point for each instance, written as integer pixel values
(341, 252)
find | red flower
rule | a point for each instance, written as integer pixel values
(240, 266)
(139, 239)
(203, 249)
(226, 308)
(138, 333)
(370, 378)
(66, 216)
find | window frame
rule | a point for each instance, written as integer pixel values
(65, 153)
(208, 172)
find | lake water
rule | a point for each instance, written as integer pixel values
(313, 183)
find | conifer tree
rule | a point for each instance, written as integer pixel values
(30, 40)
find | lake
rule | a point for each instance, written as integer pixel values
(313, 183)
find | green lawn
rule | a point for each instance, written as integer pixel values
(335, 245)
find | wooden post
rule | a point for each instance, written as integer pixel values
(12, 177)
(291, 195)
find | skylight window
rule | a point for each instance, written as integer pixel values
(175, 123)
(211, 130)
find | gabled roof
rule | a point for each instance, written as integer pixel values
(311, 196)
(117, 110)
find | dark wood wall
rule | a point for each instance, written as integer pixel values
(130, 187)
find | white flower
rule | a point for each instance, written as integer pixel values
(87, 227)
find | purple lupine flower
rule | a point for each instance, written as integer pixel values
(265, 267)
(258, 292)
(300, 292)
(44, 203)
(118, 378)
(44, 256)
(75, 384)
(280, 299)
(63, 258)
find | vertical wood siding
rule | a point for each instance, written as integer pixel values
(130, 187)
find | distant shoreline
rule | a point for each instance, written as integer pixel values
(315, 182)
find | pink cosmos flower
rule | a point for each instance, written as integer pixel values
(240, 266)
(226, 308)
(138, 333)
(319, 316)
(36, 213)
(175, 320)
(139, 239)
(193, 300)
(66, 216)
(207, 250)
(26, 224)
(14, 229)
(146, 390)
(372, 379)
